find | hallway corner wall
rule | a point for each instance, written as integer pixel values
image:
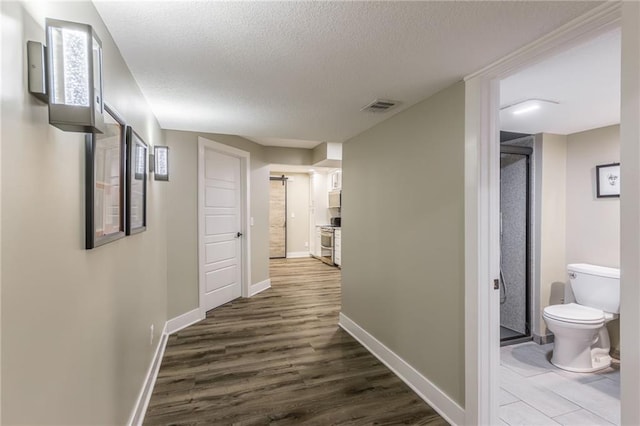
(404, 283)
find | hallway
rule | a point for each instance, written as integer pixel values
(280, 358)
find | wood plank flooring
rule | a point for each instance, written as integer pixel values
(279, 358)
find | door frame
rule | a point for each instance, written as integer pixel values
(245, 269)
(482, 191)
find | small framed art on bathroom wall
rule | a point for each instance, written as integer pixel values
(608, 180)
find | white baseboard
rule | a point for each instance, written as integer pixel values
(183, 321)
(430, 393)
(259, 287)
(170, 327)
(298, 254)
(140, 408)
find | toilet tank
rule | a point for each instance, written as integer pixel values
(595, 286)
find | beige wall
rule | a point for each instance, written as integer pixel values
(576, 227)
(182, 220)
(76, 323)
(319, 153)
(593, 224)
(298, 204)
(404, 281)
(553, 264)
(293, 156)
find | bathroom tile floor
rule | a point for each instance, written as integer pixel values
(535, 392)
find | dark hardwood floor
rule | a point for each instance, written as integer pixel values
(279, 358)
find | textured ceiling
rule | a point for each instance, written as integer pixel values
(584, 80)
(303, 70)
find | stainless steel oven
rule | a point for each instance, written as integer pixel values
(326, 244)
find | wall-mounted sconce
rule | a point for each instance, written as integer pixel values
(161, 162)
(67, 75)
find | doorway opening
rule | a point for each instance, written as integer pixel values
(572, 226)
(278, 217)
(483, 393)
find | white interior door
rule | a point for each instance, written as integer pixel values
(221, 238)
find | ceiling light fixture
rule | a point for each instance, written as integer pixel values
(526, 109)
(528, 105)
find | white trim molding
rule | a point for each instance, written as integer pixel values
(430, 393)
(298, 254)
(183, 321)
(142, 403)
(630, 215)
(482, 188)
(259, 287)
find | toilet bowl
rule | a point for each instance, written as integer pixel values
(581, 339)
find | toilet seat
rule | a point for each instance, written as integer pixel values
(575, 314)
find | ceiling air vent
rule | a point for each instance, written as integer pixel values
(380, 105)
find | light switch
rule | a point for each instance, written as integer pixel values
(251, 221)
(293, 215)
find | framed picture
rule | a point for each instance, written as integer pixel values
(137, 150)
(105, 178)
(608, 180)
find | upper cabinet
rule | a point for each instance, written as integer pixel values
(335, 199)
(335, 181)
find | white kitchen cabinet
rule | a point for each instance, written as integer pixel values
(337, 246)
(335, 183)
(317, 246)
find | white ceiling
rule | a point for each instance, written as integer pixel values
(585, 81)
(303, 70)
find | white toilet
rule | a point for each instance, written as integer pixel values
(581, 342)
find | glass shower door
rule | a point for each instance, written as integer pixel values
(514, 243)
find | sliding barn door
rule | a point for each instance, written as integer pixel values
(278, 218)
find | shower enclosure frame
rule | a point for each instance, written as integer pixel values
(527, 152)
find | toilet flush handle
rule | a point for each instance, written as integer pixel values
(572, 275)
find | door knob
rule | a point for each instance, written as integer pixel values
(239, 234)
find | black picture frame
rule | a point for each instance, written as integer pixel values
(137, 155)
(608, 180)
(105, 182)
